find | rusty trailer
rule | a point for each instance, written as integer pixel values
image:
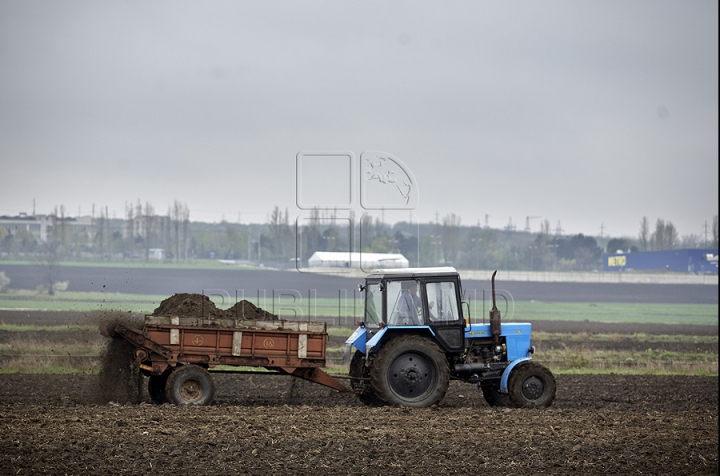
(178, 352)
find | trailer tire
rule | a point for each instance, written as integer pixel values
(190, 385)
(410, 371)
(156, 387)
(494, 398)
(531, 385)
(362, 388)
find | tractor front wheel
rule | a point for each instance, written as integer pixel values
(410, 371)
(531, 385)
(493, 396)
(190, 385)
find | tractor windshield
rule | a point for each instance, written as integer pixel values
(404, 303)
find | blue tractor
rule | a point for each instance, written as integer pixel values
(415, 337)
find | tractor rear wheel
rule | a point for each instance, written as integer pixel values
(531, 385)
(493, 396)
(190, 385)
(410, 371)
(362, 388)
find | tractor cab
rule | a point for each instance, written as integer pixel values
(420, 300)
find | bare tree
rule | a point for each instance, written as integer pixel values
(671, 236)
(658, 236)
(100, 233)
(185, 227)
(280, 233)
(50, 260)
(130, 221)
(715, 232)
(451, 237)
(665, 236)
(167, 231)
(644, 234)
(691, 241)
(177, 211)
(545, 228)
(148, 224)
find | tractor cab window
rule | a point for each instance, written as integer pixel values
(404, 303)
(442, 302)
(373, 304)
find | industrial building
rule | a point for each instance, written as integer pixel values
(699, 261)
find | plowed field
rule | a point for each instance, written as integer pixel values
(270, 424)
(266, 424)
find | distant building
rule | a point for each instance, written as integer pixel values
(332, 259)
(699, 261)
(42, 226)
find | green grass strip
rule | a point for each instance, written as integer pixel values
(346, 311)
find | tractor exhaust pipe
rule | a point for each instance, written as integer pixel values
(495, 329)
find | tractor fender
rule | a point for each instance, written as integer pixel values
(508, 370)
(377, 340)
(357, 339)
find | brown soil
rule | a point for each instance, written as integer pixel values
(269, 424)
(272, 424)
(199, 305)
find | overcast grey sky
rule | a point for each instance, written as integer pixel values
(584, 113)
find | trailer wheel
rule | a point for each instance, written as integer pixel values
(531, 385)
(493, 396)
(190, 385)
(410, 371)
(362, 388)
(156, 387)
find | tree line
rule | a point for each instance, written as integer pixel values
(280, 242)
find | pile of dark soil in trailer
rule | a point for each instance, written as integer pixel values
(189, 305)
(247, 310)
(200, 306)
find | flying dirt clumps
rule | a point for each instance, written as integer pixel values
(200, 306)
